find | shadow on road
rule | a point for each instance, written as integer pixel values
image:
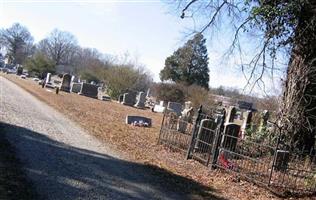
(65, 172)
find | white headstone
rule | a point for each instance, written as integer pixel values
(48, 77)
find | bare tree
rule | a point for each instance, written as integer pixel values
(18, 43)
(59, 46)
(284, 28)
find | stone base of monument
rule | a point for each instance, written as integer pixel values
(138, 121)
(139, 105)
(64, 89)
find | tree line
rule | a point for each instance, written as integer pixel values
(60, 48)
(186, 68)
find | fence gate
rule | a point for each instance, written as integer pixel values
(204, 141)
(198, 139)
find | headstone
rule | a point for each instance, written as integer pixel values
(231, 133)
(206, 134)
(264, 120)
(141, 98)
(248, 118)
(186, 117)
(138, 120)
(76, 87)
(246, 121)
(175, 107)
(74, 79)
(48, 78)
(121, 97)
(281, 160)
(230, 114)
(65, 83)
(159, 108)
(129, 99)
(19, 70)
(148, 93)
(89, 90)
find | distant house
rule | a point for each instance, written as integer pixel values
(224, 101)
(228, 101)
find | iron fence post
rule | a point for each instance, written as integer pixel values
(274, 158)
(193, 133)
(161, 127)
(217, 143)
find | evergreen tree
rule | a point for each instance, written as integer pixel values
(188, 64)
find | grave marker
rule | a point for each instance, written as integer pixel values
(186, 116)
(141, 98)
(89, 90)
(129, 99)
(19, 70)
(230, 114)
(65, 83)
(140, 120)
(175, 107)
(48, 78)
(76, 87)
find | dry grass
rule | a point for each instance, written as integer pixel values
(106, 120)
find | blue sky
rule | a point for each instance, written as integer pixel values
(148, 30)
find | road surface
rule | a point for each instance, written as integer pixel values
(63, 161)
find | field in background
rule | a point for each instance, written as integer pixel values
(106, 121)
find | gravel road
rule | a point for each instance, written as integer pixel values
(64, 162)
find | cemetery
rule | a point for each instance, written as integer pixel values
(226, 111)
(222, 140)
(219, 138)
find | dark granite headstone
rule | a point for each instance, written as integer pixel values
(281, 160)
(65, 83)
(141, 98)
(120, 99)
(19, 70)
(129, 99)
(175, 107)
(89, 90)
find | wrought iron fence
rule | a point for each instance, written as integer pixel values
(175, 133)
(214, 144)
